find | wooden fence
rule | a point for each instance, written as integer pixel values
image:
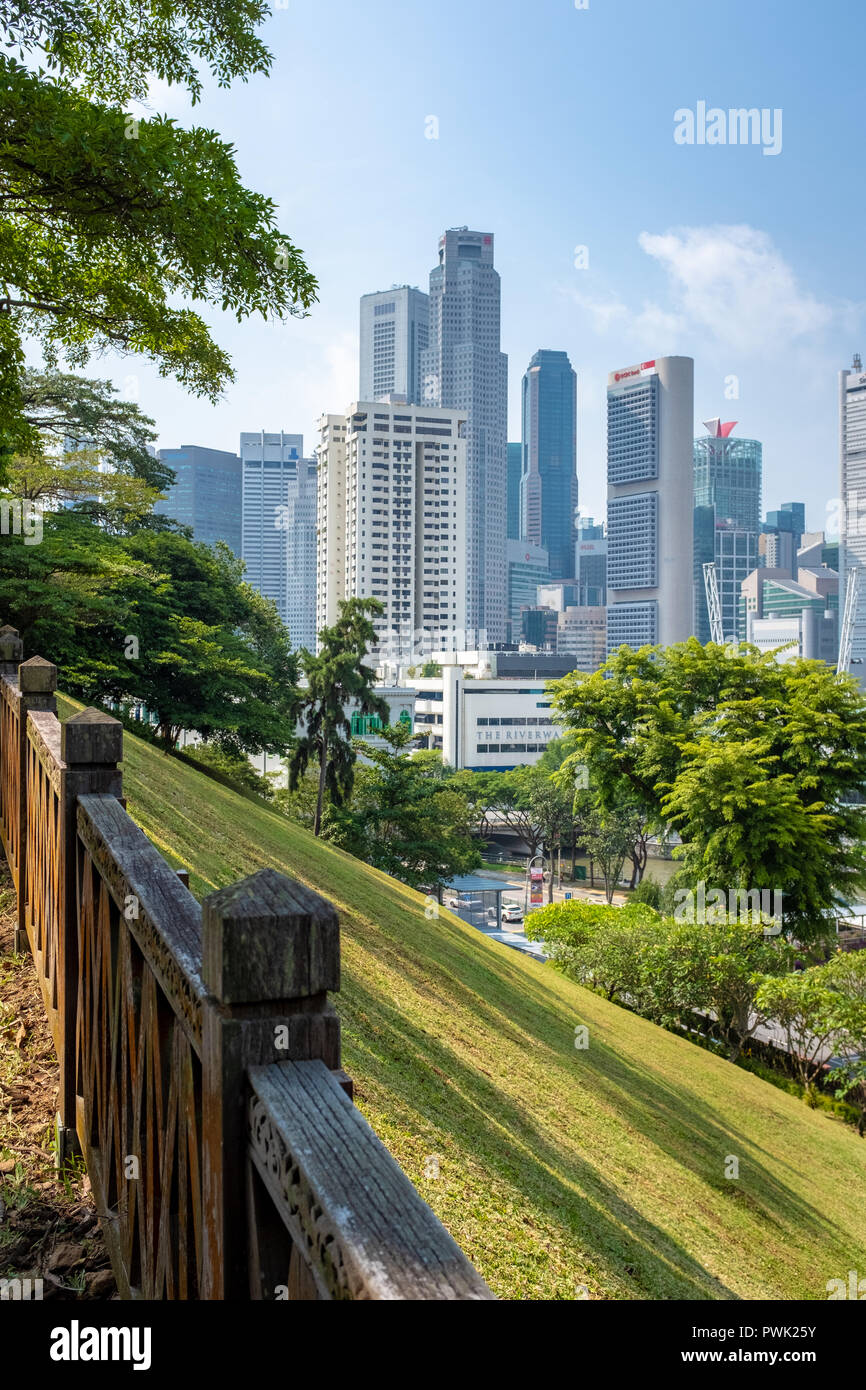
(199, 1053)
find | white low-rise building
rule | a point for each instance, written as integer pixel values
(486, 725)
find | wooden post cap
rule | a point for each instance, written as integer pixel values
(11, 646)
(269, 938)
(91, 737)
(37, 677)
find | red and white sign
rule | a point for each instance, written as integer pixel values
(640, 370)
(536, 885)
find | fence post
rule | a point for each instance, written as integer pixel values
(270, 953)
(37, 683)
(11, 650)
(91, 746)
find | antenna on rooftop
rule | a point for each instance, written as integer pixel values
(858, 365)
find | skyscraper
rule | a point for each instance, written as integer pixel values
(391, 518)
(528, 566)
(852, 486)
(548, 489)
(278, 533)
(394, 329)
(515, 472)
(650, 481)
(463, 369)
(727, 518)
(206, 493)
(590, 564)
(728, 475)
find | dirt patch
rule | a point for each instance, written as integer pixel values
(48, 1224)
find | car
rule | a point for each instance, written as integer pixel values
(512, 912)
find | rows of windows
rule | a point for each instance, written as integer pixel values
(511, 748)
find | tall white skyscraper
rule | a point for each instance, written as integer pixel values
(278, 530)
(463, 369)
(391, 522)
(650, 508)
(852, 449)
(394, 328)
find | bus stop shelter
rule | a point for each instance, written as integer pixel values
(477, 900)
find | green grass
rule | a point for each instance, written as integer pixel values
(557, 1167)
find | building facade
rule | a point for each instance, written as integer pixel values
(650, 517)
(548, 487)
(590, 563)
(464, 369)
(391, 523)
(488, 725)
(527, 568)
(394, 334)
(852, 488)
(770, 599)
(206, 495)
(515, 472)
(278, 526)
(581, 632)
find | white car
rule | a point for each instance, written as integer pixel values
(512, 912)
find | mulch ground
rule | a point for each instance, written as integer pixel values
(48, 1223)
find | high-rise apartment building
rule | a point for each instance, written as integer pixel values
(548, 489)
(278, 531)
(852, 487)
(463, 369)
(206, 493)
(391, 523)
(394, 329)
(727, 518)
(650, 478)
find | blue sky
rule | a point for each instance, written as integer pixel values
(556, 130)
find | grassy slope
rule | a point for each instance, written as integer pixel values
(558, 1167)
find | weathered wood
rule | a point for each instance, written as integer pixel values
(363, 1230)
(11, 650)
(157, 909)
(37, 683)
(270, 952)
(139, 1034)
(207, 1184)
(269, 938)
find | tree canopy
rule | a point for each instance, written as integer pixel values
(757, 764)
(111, 225)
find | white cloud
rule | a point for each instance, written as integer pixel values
(727, 284)
(732, 283)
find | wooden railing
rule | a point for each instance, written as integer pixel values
(199, 1052)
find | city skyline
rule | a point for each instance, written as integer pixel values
(708, 252)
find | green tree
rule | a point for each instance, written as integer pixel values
(811, 1014)
(114, 479)
(109, 223)
(757, 762)
(401, 820)
(157, 620)
(603, 947)
(715, 969)
(337, 682)
(550, 806)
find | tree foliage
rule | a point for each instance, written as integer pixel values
(111, 226)
(338, 683)
(403, 820)
(756, 763)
